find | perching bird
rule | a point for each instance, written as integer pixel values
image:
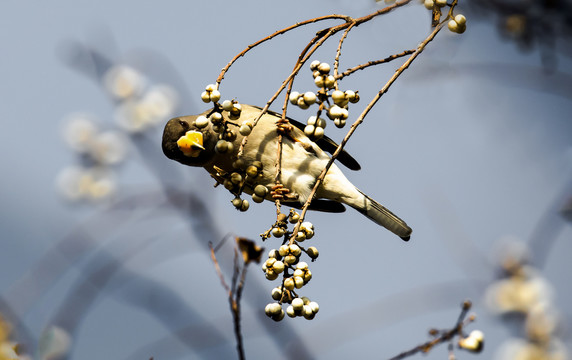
(191, 140)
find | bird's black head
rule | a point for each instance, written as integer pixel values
(185, 143)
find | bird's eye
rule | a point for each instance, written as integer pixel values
(184, 125)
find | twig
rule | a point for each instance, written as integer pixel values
(444, 336)
(372, 63)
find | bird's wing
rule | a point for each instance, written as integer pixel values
(326, 144)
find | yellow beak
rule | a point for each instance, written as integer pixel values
(191, 144)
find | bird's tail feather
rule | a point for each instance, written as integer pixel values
(382, 216)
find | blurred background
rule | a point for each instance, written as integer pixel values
(105, 241)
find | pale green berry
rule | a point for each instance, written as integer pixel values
(345, 114)
(236, 178)
(260, 190)
(252, 171)
(302, 265)
(297, 304)
(294, 95)
(295, 250)
(309, 130)
(274, 254)
(441, 3)
(215, 96)
(314, 306)
(354, 99)
(278, 232)
(283, 250)
(298, 282)
(271, 275)
(290, 259)
(278, 267)
(300, 236)
(245, 129)
(461, 19)
(312, 252)
(305, 299)
(309, 97)
(324, 68)
(228, 184)
(315, 74)
(314, 64)
(298, 272)
(289, 284)
(319, 132)
(257, 199)
(302, 103)
(338, 96)
(205, 97)
(294, 217)
(311, 120)
(227, 105)
(335, 112)
(245, 205)
(269, 262)
(340, 123)
(308, 313)
(290, 311)
(307, 276)
(215, 118)
(429, 4)
(237, 202)
(330, 81)
(221, 146)
(210, 88)
(321, 123)
(201, 122)
(276, 293)
(319, 81)
(279, 316)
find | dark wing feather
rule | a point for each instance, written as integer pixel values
(320, 205)
(326, 144)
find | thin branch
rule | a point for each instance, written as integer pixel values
(372, 63)
(444, 336)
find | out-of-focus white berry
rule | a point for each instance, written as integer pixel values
(309, 97)
(109, 147)
(123, 81)
(294, 95)
(79, 131)
(473, 342)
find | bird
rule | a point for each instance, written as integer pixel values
(192, 141)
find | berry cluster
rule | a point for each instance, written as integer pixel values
(457, 24)
(295, 273)
(331, 100)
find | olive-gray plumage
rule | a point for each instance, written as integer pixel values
(302, 162)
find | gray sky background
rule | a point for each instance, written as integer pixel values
(471, 145)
